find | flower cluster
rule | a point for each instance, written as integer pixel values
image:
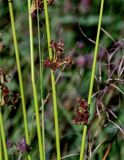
(82, 113)
(39, 4)
(21, 146)
(59, 58)
(9, 98)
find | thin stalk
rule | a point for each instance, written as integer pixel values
(107, 151)
(3, 136)
(34, 85)
(92, 78)
(1, 155)
(20, 156)
(41, 79)
(19, 73)
(109, 147)
(53, 84)
(1, 147)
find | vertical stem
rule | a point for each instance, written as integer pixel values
(20, 156)
(53, 84)
(83, 142)
(19, 72)
(107, 151)
(34, 86)
(92, 78)
(3, 136)
(41, 79)
(42, 102)
(1, 151)
(1, 155)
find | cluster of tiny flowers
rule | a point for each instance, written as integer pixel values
(21, 146)
(39, 4)
(59, 58)
(9, 98)
(82, 113)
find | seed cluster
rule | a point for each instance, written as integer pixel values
(59, 58)
(39, 4)
(8, 97)
(21, 146)
(82, 113)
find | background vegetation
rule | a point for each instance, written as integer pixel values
(67, 18)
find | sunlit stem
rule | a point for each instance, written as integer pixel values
(39, 133)
(19, 72)
(41, 79)
(53, 83)
(92, 79)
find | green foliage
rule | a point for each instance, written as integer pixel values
(65, 19)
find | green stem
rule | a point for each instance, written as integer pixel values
(1, 155)
(1, 150)
(42, 103)
(41, 80)
(19, 72)
(3, 136)
(53, 83)
(34, 85)
(92, 78)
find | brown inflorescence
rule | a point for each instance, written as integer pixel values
(50, 2)
(58, 48)
(82, 113)
(9, 98)
(22, 146)
(59, 58)
(38, 4)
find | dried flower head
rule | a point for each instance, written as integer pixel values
(58, 48)
(50, 2)
(38, 4)
(52, 64)
(59, 59)
(22, 146)
(82, 113)
(69, 61)
(9, 98)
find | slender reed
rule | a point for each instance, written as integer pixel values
(1, 151)
(34, 85)
(53, 83)
(19, 72)
(107, 151)
(41, 78)
(3, 136)
(92, 78)
(1, 155)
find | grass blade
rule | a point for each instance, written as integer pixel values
(53, 83)
(92, 79)
(3, 136)
(19, 72)
(34, 85)
(41, 78)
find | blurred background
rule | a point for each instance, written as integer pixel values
(67, 19)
